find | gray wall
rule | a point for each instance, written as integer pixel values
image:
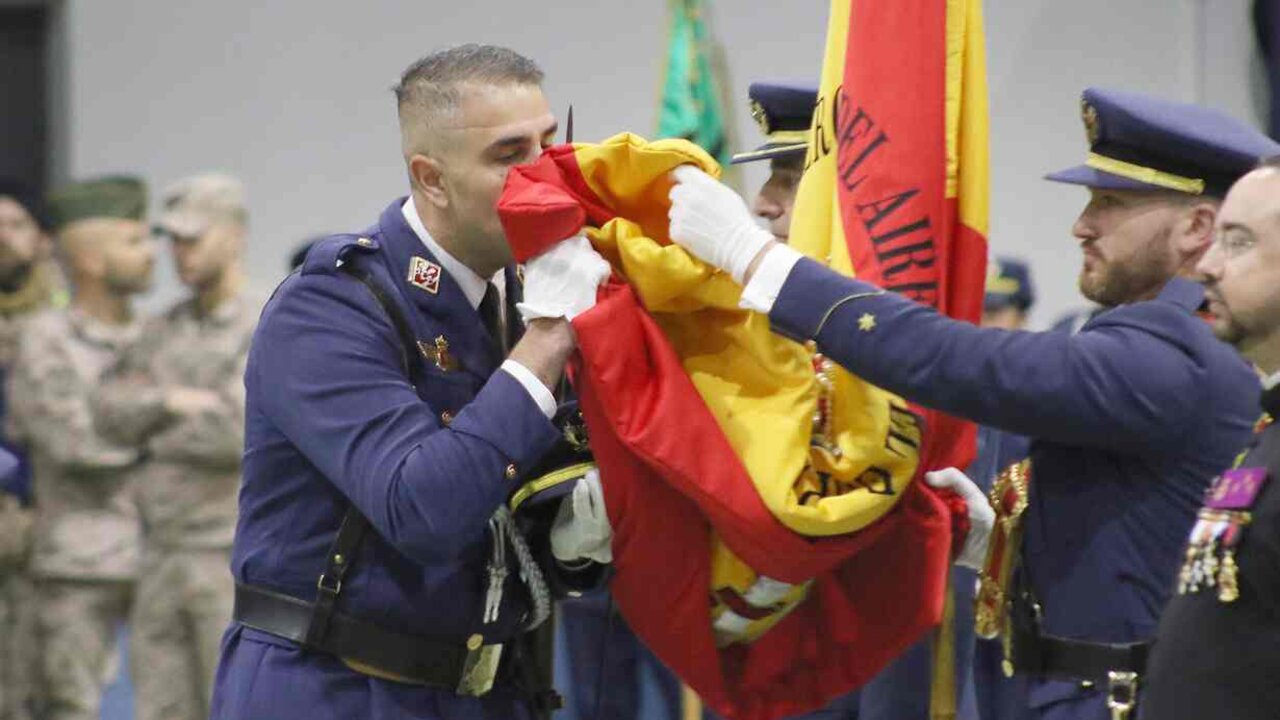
(293, 95)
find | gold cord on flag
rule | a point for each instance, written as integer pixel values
(942, 691)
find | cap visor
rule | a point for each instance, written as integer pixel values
(1095, 178)
(181, 223)
(992, 302)
(766, 152)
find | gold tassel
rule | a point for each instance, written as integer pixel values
(942, 691)
(690, 704)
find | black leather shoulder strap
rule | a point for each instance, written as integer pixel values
(341, 554)
(408, 342)
(355, 525)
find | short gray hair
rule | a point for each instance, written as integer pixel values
(428, 88)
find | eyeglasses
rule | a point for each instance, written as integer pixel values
(1234, 242)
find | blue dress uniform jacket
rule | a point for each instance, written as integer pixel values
(1131, 417)
(332, 418)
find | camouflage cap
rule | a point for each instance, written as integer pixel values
(193, 204)
(117, 196)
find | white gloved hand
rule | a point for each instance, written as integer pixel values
(981, 516)
(562, 281)
(581, 529)
(713, 223)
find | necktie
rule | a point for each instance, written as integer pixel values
(491, 315)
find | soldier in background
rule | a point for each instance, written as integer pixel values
(86, 545)
(28, 284)
(179, 395)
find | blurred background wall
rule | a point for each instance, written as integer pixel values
(294, 95)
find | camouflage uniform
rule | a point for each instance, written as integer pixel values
(187, 495)
(19, 656)
(87, 536)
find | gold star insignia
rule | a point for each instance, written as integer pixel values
(867, 322)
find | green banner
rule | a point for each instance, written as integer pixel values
(691, 106)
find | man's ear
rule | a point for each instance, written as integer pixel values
(427, 176)
(91, 261)
(80, 254)
(1196, 230)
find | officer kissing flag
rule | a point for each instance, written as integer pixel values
(771, 541)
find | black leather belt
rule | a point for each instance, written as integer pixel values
(362, 645)
(1066, 658)
(1082, 660)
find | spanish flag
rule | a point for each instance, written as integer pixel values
(771, 539)
(896, 184)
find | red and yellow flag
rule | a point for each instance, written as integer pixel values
(774, 557)
(771, 539)
(896, 183)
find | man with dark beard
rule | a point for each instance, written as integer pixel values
(28, 283)
(178, 393)
(1130, 417)
(1216, 655)
(86, 542)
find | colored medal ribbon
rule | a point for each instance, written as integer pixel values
(1210, 558)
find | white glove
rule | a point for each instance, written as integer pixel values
(981, 516)
(581, 528)
(562, 281)
(713, 223)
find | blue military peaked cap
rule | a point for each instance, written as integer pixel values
(1138, 142)
(783, 113)
(1008, 285)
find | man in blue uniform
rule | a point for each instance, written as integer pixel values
(783, 113)
(380, 574)
(1130, 417)
(902, 690)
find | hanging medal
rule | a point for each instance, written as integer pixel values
(1229, 500)
(1209, 554)
(1228, 583)
(1200, 546)
(1190, 555)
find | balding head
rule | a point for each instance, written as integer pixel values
(430, 91)
(1241, 271)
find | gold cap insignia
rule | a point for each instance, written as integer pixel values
(1092, 125)
(761, 116)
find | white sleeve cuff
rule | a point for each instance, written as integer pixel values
(761, 292)
(532, 385)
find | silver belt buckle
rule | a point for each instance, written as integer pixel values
(480, 668)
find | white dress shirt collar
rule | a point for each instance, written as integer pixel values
(473, 286)
(1271, 381)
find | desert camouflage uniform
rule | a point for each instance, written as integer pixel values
(87, 535)
(186, 492)
(19, 650)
